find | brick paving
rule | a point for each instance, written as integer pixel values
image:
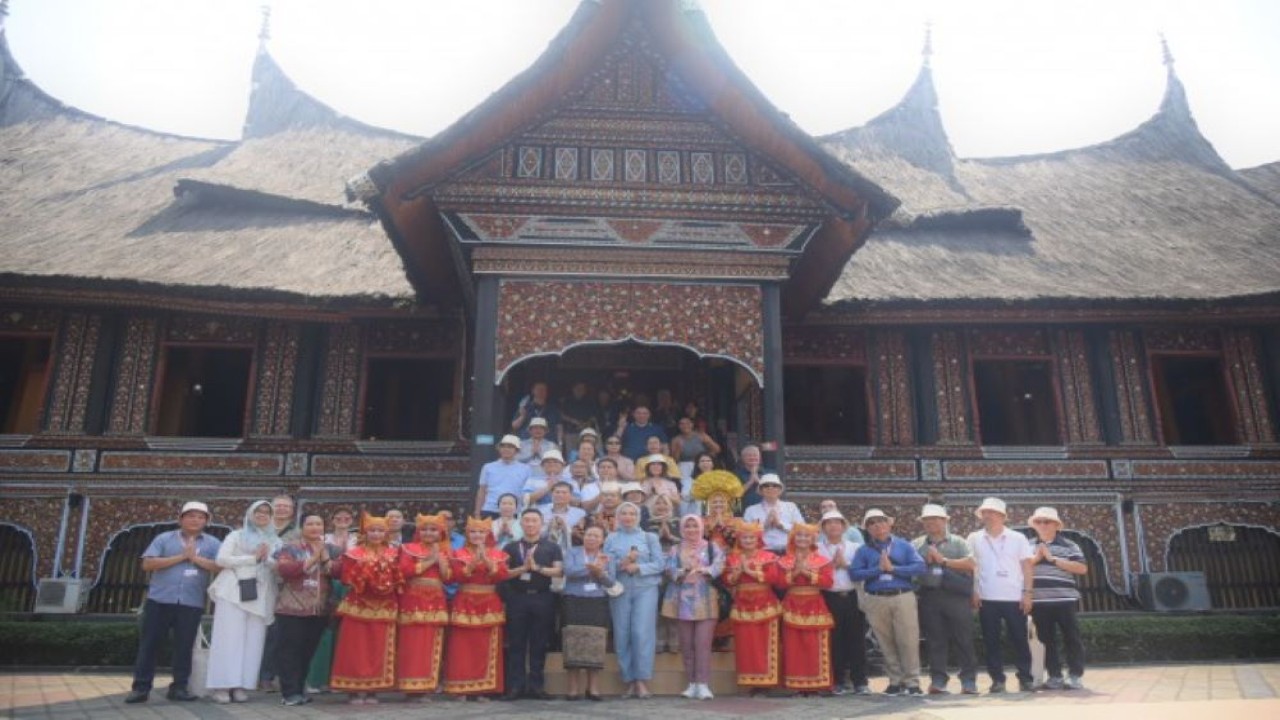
(1170, 692)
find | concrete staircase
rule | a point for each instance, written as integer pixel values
(668, 675)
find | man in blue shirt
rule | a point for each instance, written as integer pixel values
(886, 565)
(501, 476)
(635, 435)
(180, 562)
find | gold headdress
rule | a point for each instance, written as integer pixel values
(742, 527)
(475, 523)
(367, 521)
(796, 530)
(420, 521)
(717, 482)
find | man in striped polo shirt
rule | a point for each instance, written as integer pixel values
(1055, 598)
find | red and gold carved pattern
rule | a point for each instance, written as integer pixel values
(135, 368)
(1009, 342)
(893, 389)
(949, 386)
(1241, 357)
(1161, 521)
(1129, 368)
(414, 336)
(27, 461)
(76, 350)
(163, 463)
(719, 320)
(1182, 339)
(1077, 388)
(801, 343)
(41, 517)
(341, 382)
(1206, 469)
(798, 471)
(24, 320)
(203, 329)
(388, 465)
(1066, 470)
(276, 373)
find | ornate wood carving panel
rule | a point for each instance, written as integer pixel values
(76, 351)
(949, 375)
(895, 424)
(1078, 401)
(825, 344)
(1241, 357)
(341, 386)
(277, 370)
(134, 377)
(549, 317)
(1129, 367)
(1161, 521)
(1009, 342)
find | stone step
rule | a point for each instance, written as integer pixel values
(668, 675)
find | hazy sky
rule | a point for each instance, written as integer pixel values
(1013, 76)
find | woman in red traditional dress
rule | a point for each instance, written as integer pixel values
(750, 573)
(474, 663)
(364, 659)
(806, 623)
(424, 609)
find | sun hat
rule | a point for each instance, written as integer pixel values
(1046, 513)
(992, 503)
(874, 514)
(511, 440)
(538, 422)
(832, 515)
(770, 479)
(552, 455)
(933, 511)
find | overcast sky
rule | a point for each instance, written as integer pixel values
(1013, 76)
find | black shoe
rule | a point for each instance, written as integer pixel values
(913, 692)
(997, 688)
(1026, 686)
(513, 694)
(293, 700)
(594, 697)
(180, 694)
(137, 696)
(893, 690)
(538, 695)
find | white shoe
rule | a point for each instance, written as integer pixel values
(690, 692)
(704, 692)
(222, 697)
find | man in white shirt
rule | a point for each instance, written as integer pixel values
(776, 515)
(849, 638)
(1003, 591)
(537, 445)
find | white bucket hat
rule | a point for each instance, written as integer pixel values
(934, 511)
(992, 503)
(873, 514)
(511, 440)
(196, 506)
(833, 515)
(1046, 513)
(538, 422)
(770, 479)
(552, 455)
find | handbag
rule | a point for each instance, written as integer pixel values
(615, 589)
(248, 589)
(957, 583)
(199, 663)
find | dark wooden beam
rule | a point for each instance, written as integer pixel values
(774, 407)
(484, 420)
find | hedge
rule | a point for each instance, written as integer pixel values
(1123, 638)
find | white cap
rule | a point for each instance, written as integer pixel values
(196, 506)
(538, 422)
(552, 455)
(1046, 513)
(512, 440)
(872, 514)
(832, 515)
(770, 479)
(932, 510)
(588, 431)
(992, 503)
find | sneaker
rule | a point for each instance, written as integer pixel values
(690, 692)
(969, 688)
(704, 692)
(137, 696)
(861, 690)
(893, 690)
(180, 694)
(293, 700)
(239, 695)
(1026, 686)
(1053, 683)
(997, 688)
(913, 691)
(935, 690)
(1074, 683)
(222, 697)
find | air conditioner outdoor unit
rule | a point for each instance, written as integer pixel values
(1174, 591)
(59, 595)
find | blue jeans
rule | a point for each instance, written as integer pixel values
(157, 620)
(990, 616)
(635, 623)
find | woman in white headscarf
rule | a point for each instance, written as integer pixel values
(244, 596)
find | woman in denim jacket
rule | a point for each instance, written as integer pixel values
(639, 561)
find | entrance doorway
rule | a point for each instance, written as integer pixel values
(671, 381)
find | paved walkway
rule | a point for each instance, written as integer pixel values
(1169, 692)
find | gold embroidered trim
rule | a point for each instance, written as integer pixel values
(424, 617)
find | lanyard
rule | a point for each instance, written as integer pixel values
(998, 553)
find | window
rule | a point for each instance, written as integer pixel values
(204, 391)
(409, 399)
(826, 405)
(24, 372)
(1191, 394)
(1016, 403)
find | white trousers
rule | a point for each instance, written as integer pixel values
(235, 647)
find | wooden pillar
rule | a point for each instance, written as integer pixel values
(484, 419)
(774, 409)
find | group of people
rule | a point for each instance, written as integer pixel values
(691, 563)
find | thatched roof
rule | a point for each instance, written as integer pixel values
(93, 199)
(1152, 214)
(1264, 179)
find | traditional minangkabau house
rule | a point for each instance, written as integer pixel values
(350, 314)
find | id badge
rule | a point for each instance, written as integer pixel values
(1002, 573)
(936, 570)
(311, 583)
(526, 577)
(190, 572)
(590, 587)
(886, 577)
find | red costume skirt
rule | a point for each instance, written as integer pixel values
(364, 658)
(474, 666)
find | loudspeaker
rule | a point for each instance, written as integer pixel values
(1173, 591)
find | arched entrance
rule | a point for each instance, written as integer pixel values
(17, 570)
(1241, 563)
(615, 377)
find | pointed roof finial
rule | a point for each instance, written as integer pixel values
(927, 53)
(4, 11)
(1164, 47)
(264, 33)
